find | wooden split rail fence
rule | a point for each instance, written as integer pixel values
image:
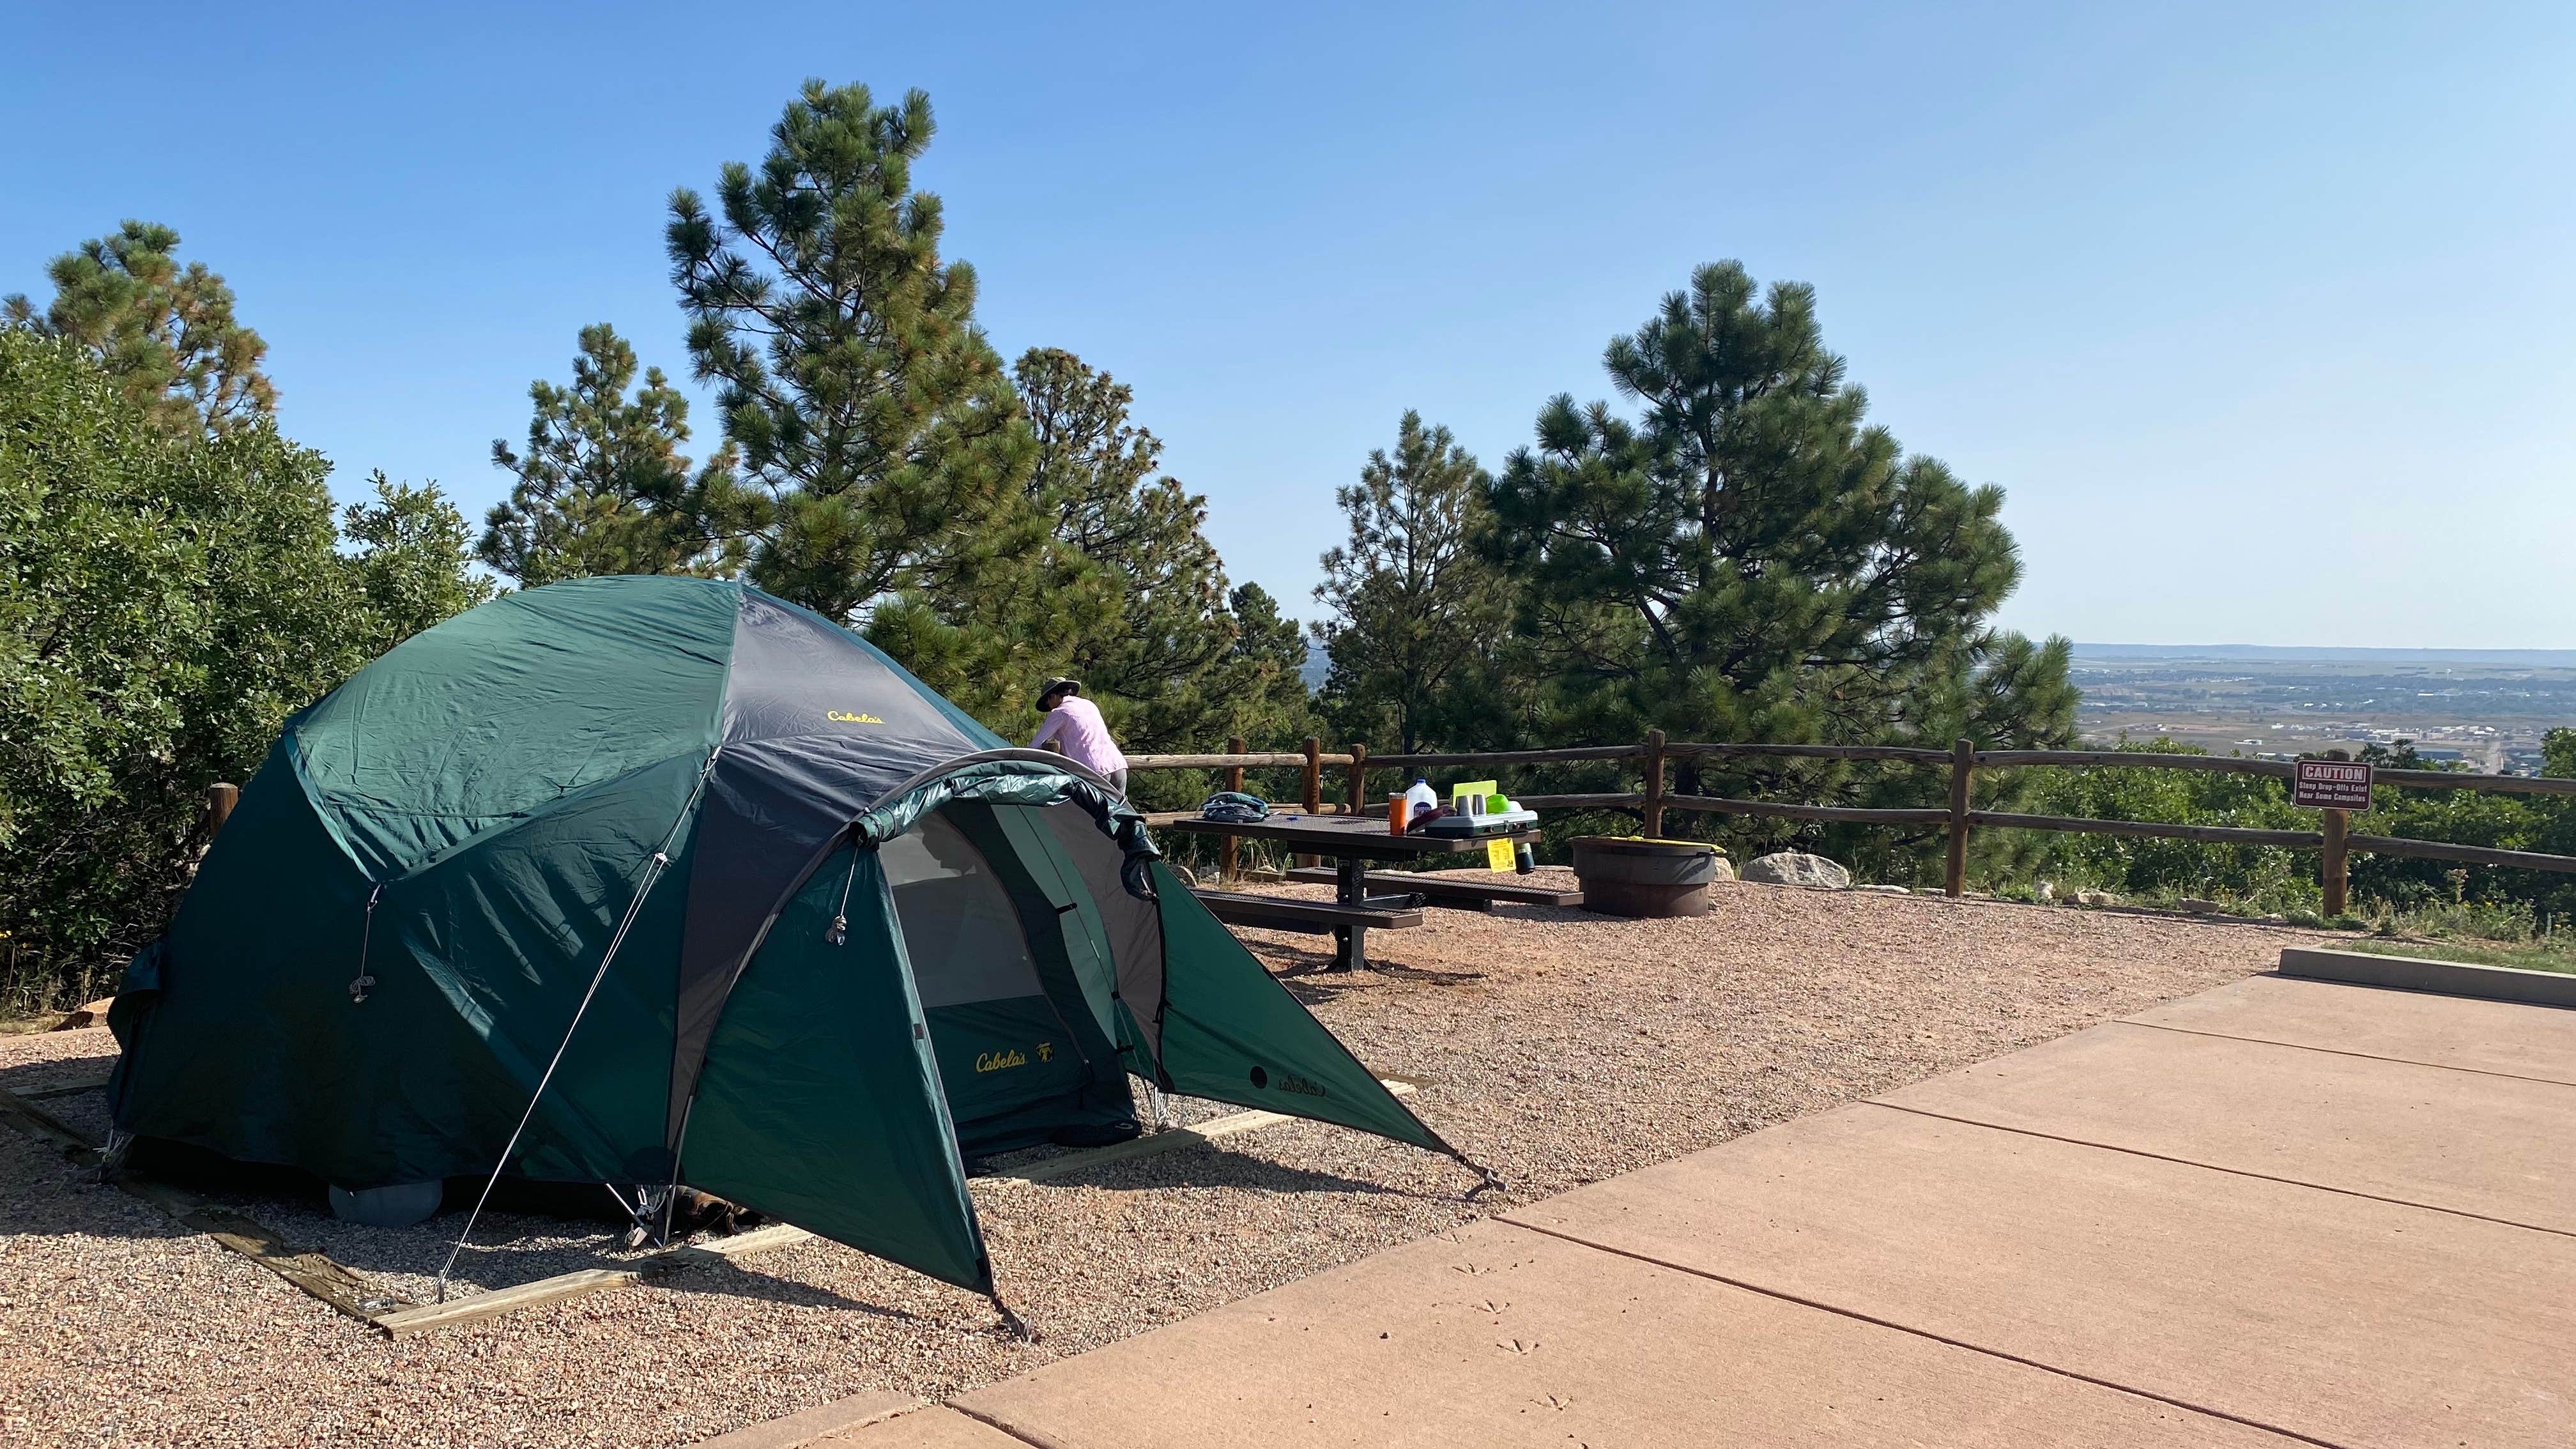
(1655, 754)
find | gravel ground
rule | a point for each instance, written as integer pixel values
(1560, 1047)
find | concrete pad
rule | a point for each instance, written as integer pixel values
(2350, 1320)
(821, 1424)
(2442, 1031)
(2467, 1141)
(935, 1427)
(1495, 1336)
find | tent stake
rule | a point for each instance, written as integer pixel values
(1492, 1180)
(1011, 1321)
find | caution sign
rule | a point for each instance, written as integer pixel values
(2330, 785)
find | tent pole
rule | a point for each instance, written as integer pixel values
(652, 873)
(1154, 1104)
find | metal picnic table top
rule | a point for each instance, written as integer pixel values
(1363, 837)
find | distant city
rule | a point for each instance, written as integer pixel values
(2485, 708)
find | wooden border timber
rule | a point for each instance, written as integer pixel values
(577, 1284)
(64, 1089)
(407, 1321)
(314, 1273)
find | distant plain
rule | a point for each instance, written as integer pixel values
(2485, 708)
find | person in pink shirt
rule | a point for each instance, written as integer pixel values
(1073, 728)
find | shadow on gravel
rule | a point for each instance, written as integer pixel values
(734, 1280)
(1212, 1165)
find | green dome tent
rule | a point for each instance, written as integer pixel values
(819, 932)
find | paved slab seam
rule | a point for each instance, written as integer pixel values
(1498, 1335)
(1960, 1343)
(2339, 1052)
(2214, 1167)
(2424, 1135)
(2344, 1319)
(2452, 1031)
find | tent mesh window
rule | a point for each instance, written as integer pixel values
(1020, 1050)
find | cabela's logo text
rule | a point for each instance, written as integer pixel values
(1009, 1057)
(843, 716)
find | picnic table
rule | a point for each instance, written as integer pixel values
(1352, 841)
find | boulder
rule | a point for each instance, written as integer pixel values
(1797, 868)
(1724, 869)
(2199, 907)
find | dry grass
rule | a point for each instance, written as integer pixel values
(1562, 1048)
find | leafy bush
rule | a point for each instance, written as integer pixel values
(169, 600)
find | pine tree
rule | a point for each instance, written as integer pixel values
(1153, 571)
(1263, 674)
(867, 403)
(1748, 561)
(166, 334)
(1417, 612)
(603, 487)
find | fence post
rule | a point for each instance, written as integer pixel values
(2337, 882)
(1228, 862)
(1654, 821)
(1358, 789)
(220, 800)
(1314, 783)
(1963, 760)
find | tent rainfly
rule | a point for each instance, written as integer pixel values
(696, 888)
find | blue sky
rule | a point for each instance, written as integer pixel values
(2262, 315)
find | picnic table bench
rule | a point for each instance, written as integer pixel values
(1438, 888)
(1289, 913)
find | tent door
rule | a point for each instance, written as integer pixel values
(1018, 1052)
